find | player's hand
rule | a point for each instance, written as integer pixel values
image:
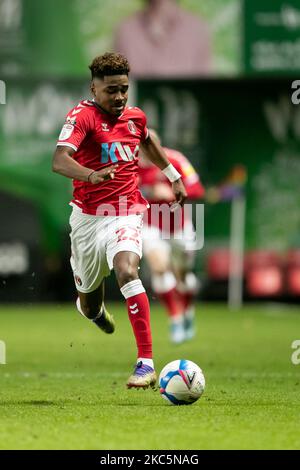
(102, 175)
(179, 192)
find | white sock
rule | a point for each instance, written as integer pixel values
(132, 288)
(146, 360)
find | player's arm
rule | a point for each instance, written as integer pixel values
(64, 164)
(156, 154)
(191, 180)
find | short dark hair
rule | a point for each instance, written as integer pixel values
(110, 63)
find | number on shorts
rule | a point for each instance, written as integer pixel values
(128, 233)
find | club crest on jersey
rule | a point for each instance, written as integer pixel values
(66, 131)
(104, 127)
(131, 127)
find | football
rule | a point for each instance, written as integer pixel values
(181, 382)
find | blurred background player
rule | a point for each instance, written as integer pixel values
(105, 233)
(171, 256)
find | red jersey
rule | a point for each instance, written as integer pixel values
(149, 175)
(100, 140)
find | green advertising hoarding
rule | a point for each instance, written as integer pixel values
(59, 38)
(271, 37)
(30, 122)
(40, 39)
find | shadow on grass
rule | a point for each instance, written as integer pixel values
(32, 403)
(146, 405)
(63, 403)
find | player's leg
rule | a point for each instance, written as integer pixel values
(91, 305)
(164, 287)
(157, 252)
(89, 267)
(187, 285)
(123, 252)
(125, 264)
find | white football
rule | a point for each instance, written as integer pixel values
(181, 382)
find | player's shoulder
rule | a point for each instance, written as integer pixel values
(133, 112)
(83, 109)
(175, 155)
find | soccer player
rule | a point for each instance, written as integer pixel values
(98, 148)
(170, 256)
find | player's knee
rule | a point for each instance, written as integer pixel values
(126, 274)
(159, 270)
(158, 264)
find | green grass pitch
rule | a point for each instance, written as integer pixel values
(63, 386)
